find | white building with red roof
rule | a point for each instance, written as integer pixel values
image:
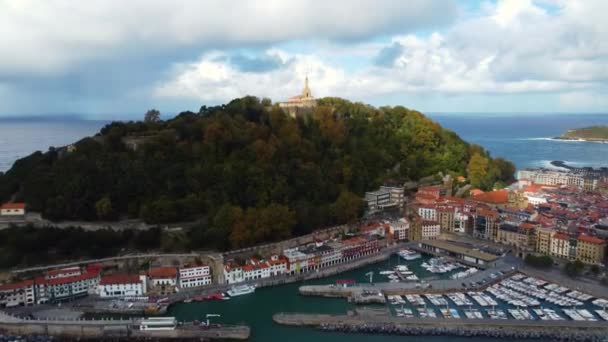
(66, 283)
(121, 285)
(12, 209)
(18, 293)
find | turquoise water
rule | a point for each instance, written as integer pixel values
(256, 310)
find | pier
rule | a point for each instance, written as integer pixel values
(116, 328)
(385, 324)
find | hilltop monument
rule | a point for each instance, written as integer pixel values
(300, 104)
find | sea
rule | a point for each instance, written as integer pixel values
(524, 139)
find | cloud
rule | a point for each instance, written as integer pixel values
(55, 35)
(260, 63)
(513, 47)
(388, 55)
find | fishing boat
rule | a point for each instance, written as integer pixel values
(241, 290)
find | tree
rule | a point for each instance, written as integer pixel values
(574, 268)
(152, 116)
(104, 208)
(595, 269)
(347, 207)
(539, 261)
(478, 170)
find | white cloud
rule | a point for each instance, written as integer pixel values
(51, 36)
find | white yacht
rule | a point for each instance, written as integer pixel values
(240, 290)
(409, 255)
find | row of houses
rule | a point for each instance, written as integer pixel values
(310, 258)
(74, 282)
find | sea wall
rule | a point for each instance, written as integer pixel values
(511, 329)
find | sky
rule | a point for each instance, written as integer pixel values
(115, 58)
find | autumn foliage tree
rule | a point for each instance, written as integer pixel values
(246, 169)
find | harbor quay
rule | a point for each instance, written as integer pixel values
(116, 328)
(384, 324)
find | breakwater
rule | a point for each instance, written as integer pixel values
(544, 334)
(511, 329)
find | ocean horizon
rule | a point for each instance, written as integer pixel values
(524, 138)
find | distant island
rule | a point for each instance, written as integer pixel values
(592, 133)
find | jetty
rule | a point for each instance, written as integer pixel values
(385, 324)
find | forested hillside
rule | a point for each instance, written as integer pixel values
(256, 173)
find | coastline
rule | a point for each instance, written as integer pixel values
(574, 139)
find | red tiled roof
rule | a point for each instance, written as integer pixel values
(354, 241)
(487, 212)
(495, 197)
(119, 279)
(527, 225)
(72, 279)
(13, 206)
(65, 270)
(475, 192)
(189, 267)
(248, 268)
(591, 239)
(17, 285)
(163, 272)
(561, 236)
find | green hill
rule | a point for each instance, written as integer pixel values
(593, 133)
(254, 172)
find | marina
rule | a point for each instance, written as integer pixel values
(480, 305)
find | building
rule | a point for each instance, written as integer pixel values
(162, 280)
(300, 104)
(463, 253)
(121, 285)
(12, 209)
(430, 230)
(486, 224)
(233, 273)
(17, 294)
(445, 217)
(428, 212)
(433, 191)
(522, 237)
(278, 265)
(415, 231)
(400, 229)
(359, 246)
(560, 246)
(557, 177)
(66, 283)
(378, 200)
(590, 250)
(385, 197)
(194, 276)
(543, 240)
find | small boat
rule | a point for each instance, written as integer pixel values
(387, 272)
(409, 255)
(188, 300)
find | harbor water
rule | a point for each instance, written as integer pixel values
(257, 309)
